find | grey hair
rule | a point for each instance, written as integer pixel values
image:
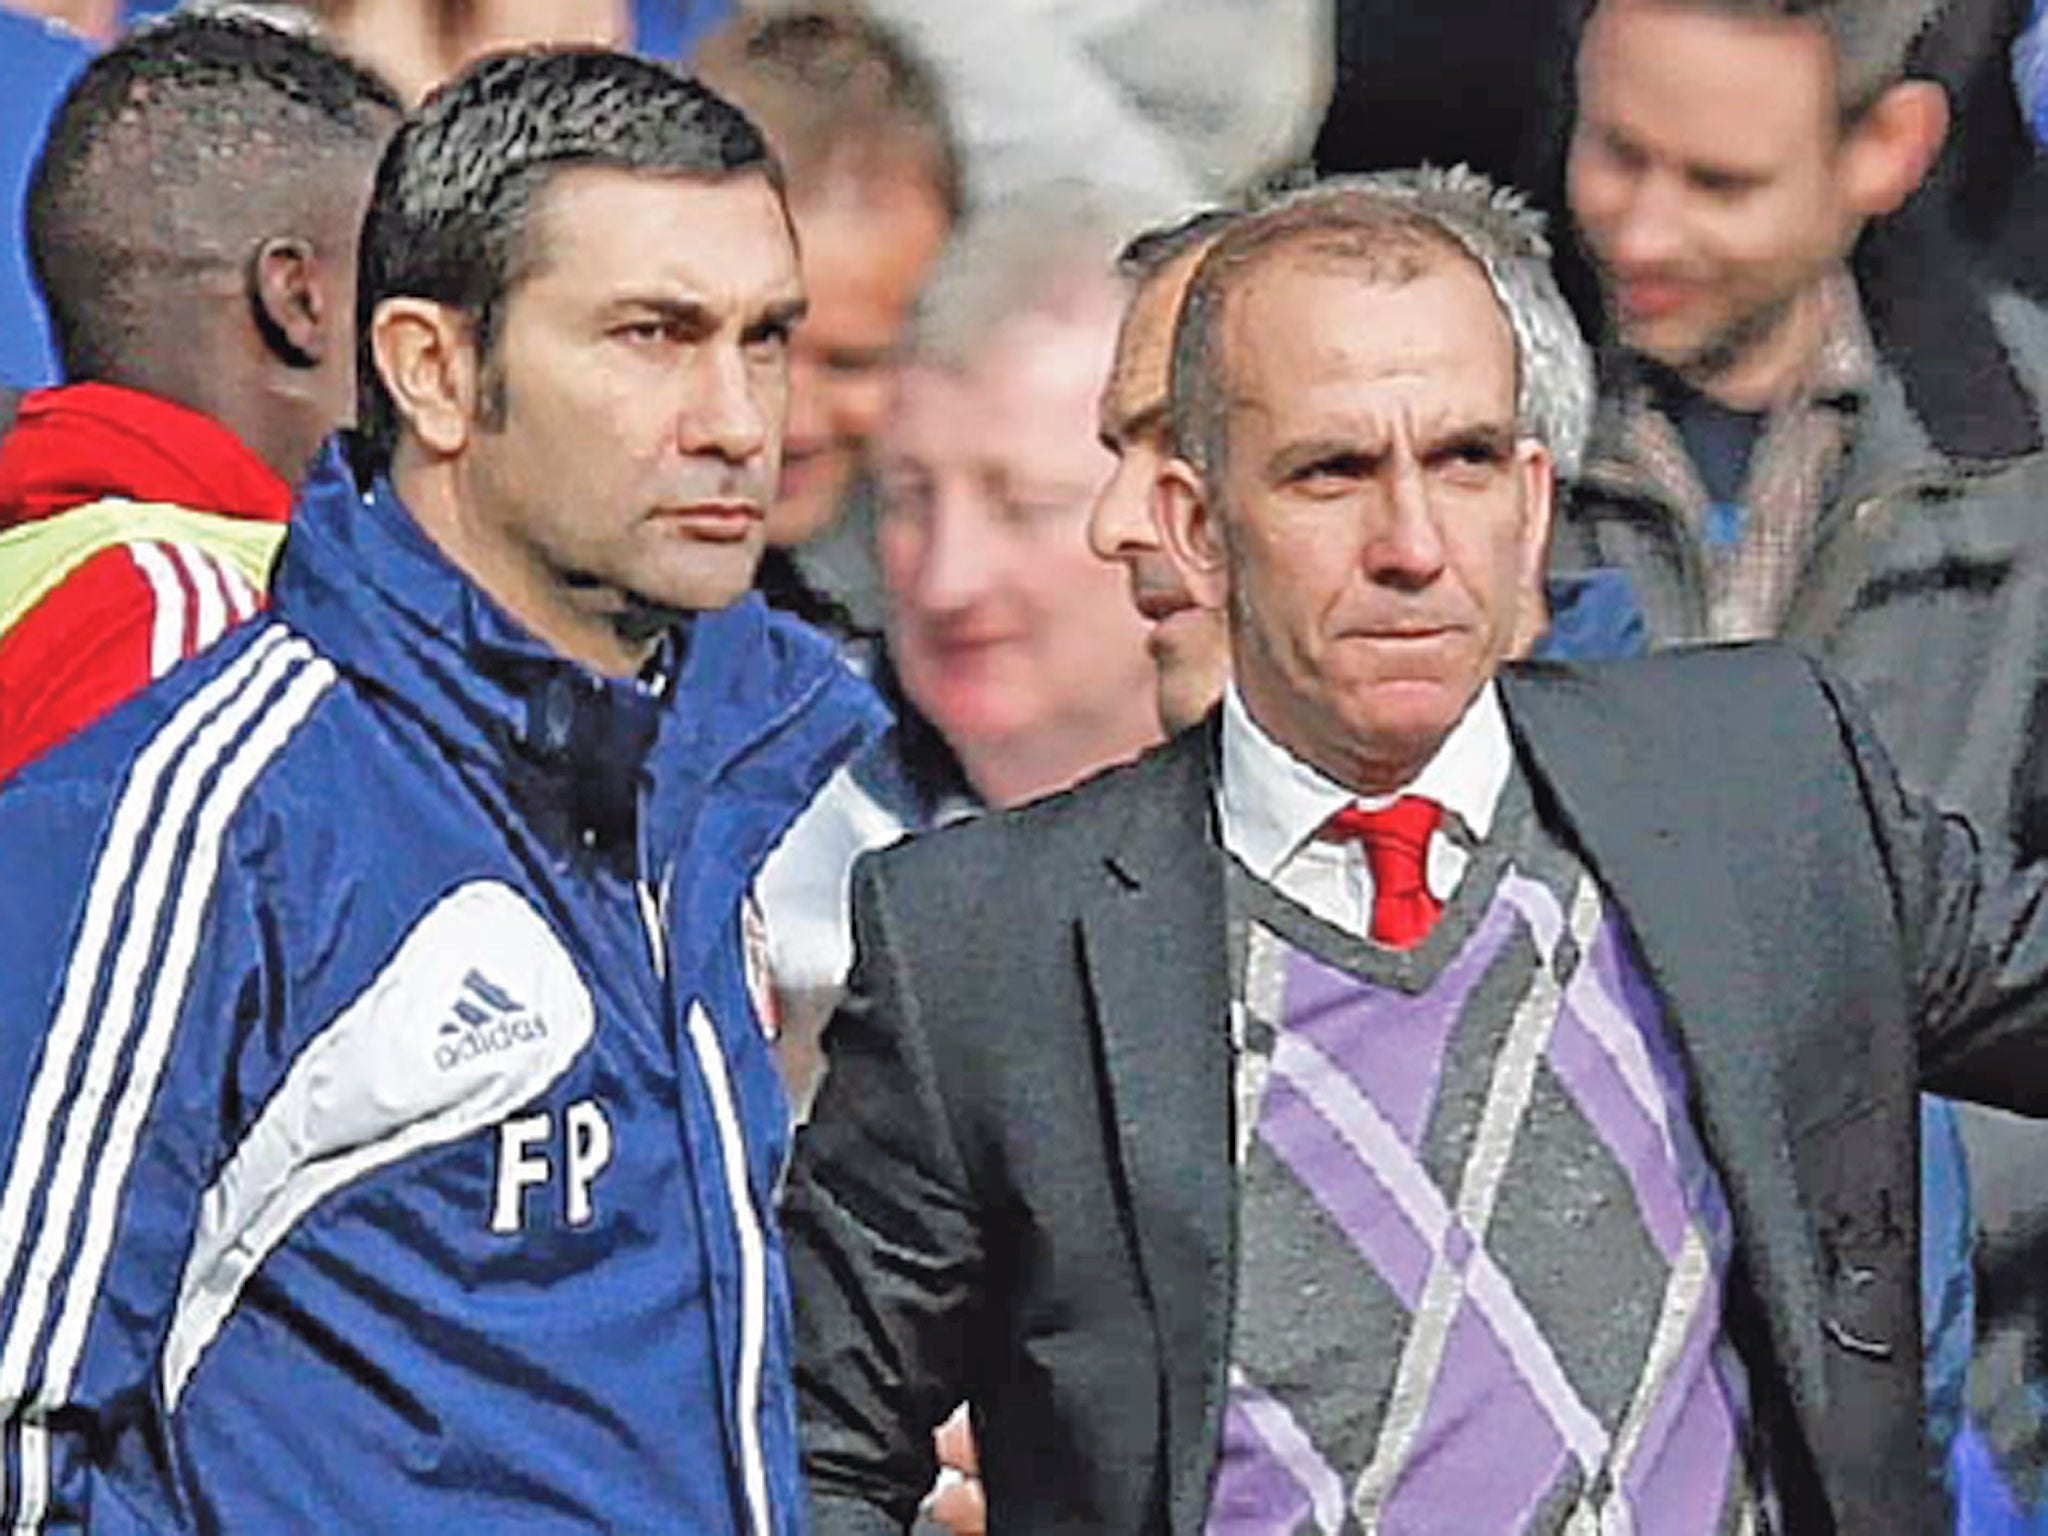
(1495, 225)
(1033, 251)
(1389, 220)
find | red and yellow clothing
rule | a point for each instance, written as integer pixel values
(133, 533)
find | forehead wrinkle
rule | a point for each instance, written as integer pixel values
(1381, 426)
(554, 221)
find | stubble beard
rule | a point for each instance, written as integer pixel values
(1736, 343)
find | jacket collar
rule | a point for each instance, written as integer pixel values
(87, 442)
(1153, 942)
(361, 580)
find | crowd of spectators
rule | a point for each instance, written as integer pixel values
(1772, 281)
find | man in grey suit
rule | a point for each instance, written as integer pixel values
(1434, 1095)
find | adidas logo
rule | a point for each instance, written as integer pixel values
(487, 1020)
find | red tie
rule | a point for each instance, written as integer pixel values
(1396, 843)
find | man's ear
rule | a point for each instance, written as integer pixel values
(426, 356)
(289, 302)
(1540, 494)
(1185, 515)
(1539, 502)
(1892, 146)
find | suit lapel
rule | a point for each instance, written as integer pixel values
(1605, 784)
(1154, 946)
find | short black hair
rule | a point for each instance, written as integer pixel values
(184, 147)
(449, 217)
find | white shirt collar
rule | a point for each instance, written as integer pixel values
(1271, 803)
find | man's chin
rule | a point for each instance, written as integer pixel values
(714, 576)
(1190, 652)
(1184, 697)
(1701, 350)
(1672, 344)
(1411, 712)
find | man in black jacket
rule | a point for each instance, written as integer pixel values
(1437, 1094)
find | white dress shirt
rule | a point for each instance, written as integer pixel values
(1270, 805)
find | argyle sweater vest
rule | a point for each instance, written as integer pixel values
(1481, 1253)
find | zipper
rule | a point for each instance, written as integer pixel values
(654, 918)
(748, 1235)
(752, 1243)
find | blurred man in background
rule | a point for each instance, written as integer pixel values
(1760, 467)
(1006, 632)
(875, 188)
(1015, 660)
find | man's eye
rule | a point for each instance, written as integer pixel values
(643, 332)
(1619, 153)
(1725, 185)
(770, 340)
(1470, 464)
(855, 365)
(1332, 475)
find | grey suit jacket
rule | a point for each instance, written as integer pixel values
(1017, 1187)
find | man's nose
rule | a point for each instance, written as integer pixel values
(1405, 547)
(1648, 223)
(1120, 522)
(961, 557)
(726, 414)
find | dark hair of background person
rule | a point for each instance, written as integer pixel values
(1152, 251)
(177, 153)
(450, 216)
(836, 91)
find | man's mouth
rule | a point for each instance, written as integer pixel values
(1157, 606)
(1405, 634)
(718, 521)
(1651, 298)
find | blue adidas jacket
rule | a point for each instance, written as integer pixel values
(387, 1139)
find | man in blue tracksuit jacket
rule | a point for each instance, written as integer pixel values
(388, 1135)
